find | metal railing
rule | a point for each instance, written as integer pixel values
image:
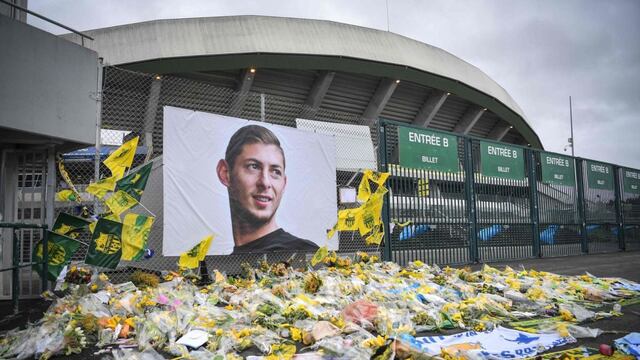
(467, 216)
(82, 35)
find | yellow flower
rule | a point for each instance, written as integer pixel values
(513, 283)
(242, 333)
(219, 332)
(418, 263)
(479, 327)
(338, 321)
(281, 352)
(563, 329)
(296, 334)
(229, 307)
(457, 317)
(131, 322)
(374, 343)
(566, 315)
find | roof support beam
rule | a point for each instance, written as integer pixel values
(379, 99)
(242, 90)
(316, 94)
(430, 108)
(499, 131)
(469, 119)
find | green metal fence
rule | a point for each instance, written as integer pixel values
(470, 214)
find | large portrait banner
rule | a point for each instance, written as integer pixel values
(256, 187)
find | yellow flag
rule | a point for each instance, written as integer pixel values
(319, 255)
(120, 202)
(348, 220)
(135, 233)
(120, 160)
(364, 189)
(191, 258)
(102, 187)
(66, 195)
(376, 236)
(65, 176)
(372, 212)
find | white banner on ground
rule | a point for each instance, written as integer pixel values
(500, 343)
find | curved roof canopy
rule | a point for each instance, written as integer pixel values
(444, 91)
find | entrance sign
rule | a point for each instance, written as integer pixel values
(425, 149)
(631, 181)
(557, 169)
(599, 175)
(503, 161)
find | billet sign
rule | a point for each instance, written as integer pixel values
(425, 149)
(500, 160)
(631, 181)
(557, 169)
(599, 175)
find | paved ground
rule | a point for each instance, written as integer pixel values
(619, 264)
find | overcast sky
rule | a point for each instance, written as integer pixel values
(540, 51)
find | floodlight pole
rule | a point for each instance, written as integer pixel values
(571, 120)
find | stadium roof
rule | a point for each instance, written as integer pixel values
(325, 65)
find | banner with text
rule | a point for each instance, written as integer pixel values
(503, 161)
(557, 169)
(431, 150)
(631, 180)
(599, 175)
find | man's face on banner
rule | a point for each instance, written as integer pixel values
(257, 182)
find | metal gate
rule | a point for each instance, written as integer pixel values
(24, 184)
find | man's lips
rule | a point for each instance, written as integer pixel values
(262, 200)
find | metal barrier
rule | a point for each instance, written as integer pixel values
(466, 215)
(16, 266)
(457, 216)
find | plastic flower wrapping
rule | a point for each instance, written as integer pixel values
(356, 308)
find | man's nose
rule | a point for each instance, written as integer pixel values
(264, 179)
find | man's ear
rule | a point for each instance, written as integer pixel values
(223, 172)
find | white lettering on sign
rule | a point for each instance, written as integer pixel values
(557, 161)
(634, 187)
(558, 176)
(428, 139)
(600, 182)
(631, 174)
(504, 169)
(502, 151)
(600, 168)
(429, 159)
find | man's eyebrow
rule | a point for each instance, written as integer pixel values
(261, 162)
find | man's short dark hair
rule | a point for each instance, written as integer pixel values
(247, 135)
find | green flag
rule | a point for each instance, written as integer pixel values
(60, 249)
(134, 183)
(69, 225)
(106, 244)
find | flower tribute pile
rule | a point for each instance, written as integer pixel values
(346, 308)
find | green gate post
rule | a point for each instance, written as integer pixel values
(470, 197)
(383, 167)
(45, 258)
(619, 215)
(15, 272)
(533, 203)
(581, 207)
